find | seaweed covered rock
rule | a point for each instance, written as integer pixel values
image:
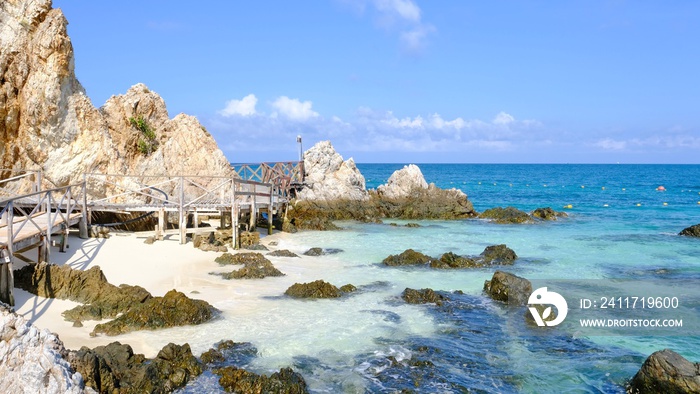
(498, 255)
(321, 251)
(666, 371)
(254, 270)
(451, 260)
(508, 288)
(240, 258)
(407, 257)
(692, 231)
(315, 289)
(115, 368)
(104, 300)
(547, 214)
(508, 215)
(424, 296)
(173, 309)
(283, 253)
(236, 380)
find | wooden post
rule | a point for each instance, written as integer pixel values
(269, 210)
(252, 225)
(7, 282)
(83, 226)
(182, 220)
(234, 215)
(49, 228)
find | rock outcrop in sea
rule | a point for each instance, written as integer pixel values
(512, 215)
(335, 190)
(318, 289)
(508, 288)
(492, 255)
(32, 360)
(49, 124)
(666, 371)
(692, 231)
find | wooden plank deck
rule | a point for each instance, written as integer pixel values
(34, 228)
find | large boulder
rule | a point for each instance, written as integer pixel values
(173, 309)
(403, 183)
(32, 360)
(49, 123)
(328, 177)
(508, 288)
(692, 231)
(116, 368)
(667, 372)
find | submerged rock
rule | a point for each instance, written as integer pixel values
(498, 255)
(173, 309)
(508, 288)
(508, 215)
(316, 289)
(692, 231)
(236, 380)
(283, 253)
(424, 296)
(321, 251)
(451, 260)
(407, 257)
(257, 270)
(115, 368)
(666, 371)
(547, 214)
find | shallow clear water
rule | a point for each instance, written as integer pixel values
(372, 341)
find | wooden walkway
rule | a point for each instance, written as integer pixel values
(29, 221)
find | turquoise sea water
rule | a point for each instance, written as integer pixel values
(619, 227)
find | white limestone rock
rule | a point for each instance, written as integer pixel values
(31, 360)
(48, 123)
(328, 177)
(402, 183)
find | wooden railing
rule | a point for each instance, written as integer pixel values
(281, 174)
(23, 224)
(9, 176)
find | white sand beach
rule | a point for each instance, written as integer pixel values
(126, 259)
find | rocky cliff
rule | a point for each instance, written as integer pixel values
(329, 178)
(49, 124)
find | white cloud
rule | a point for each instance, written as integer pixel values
(503, 119)
(404, 9)
(243, 107)
(294, 109)
(393, 121)
(404, 17)
(439, 123)
(610, 144)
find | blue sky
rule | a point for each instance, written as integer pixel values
(410, 80)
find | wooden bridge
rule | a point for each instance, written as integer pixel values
(30, 220)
